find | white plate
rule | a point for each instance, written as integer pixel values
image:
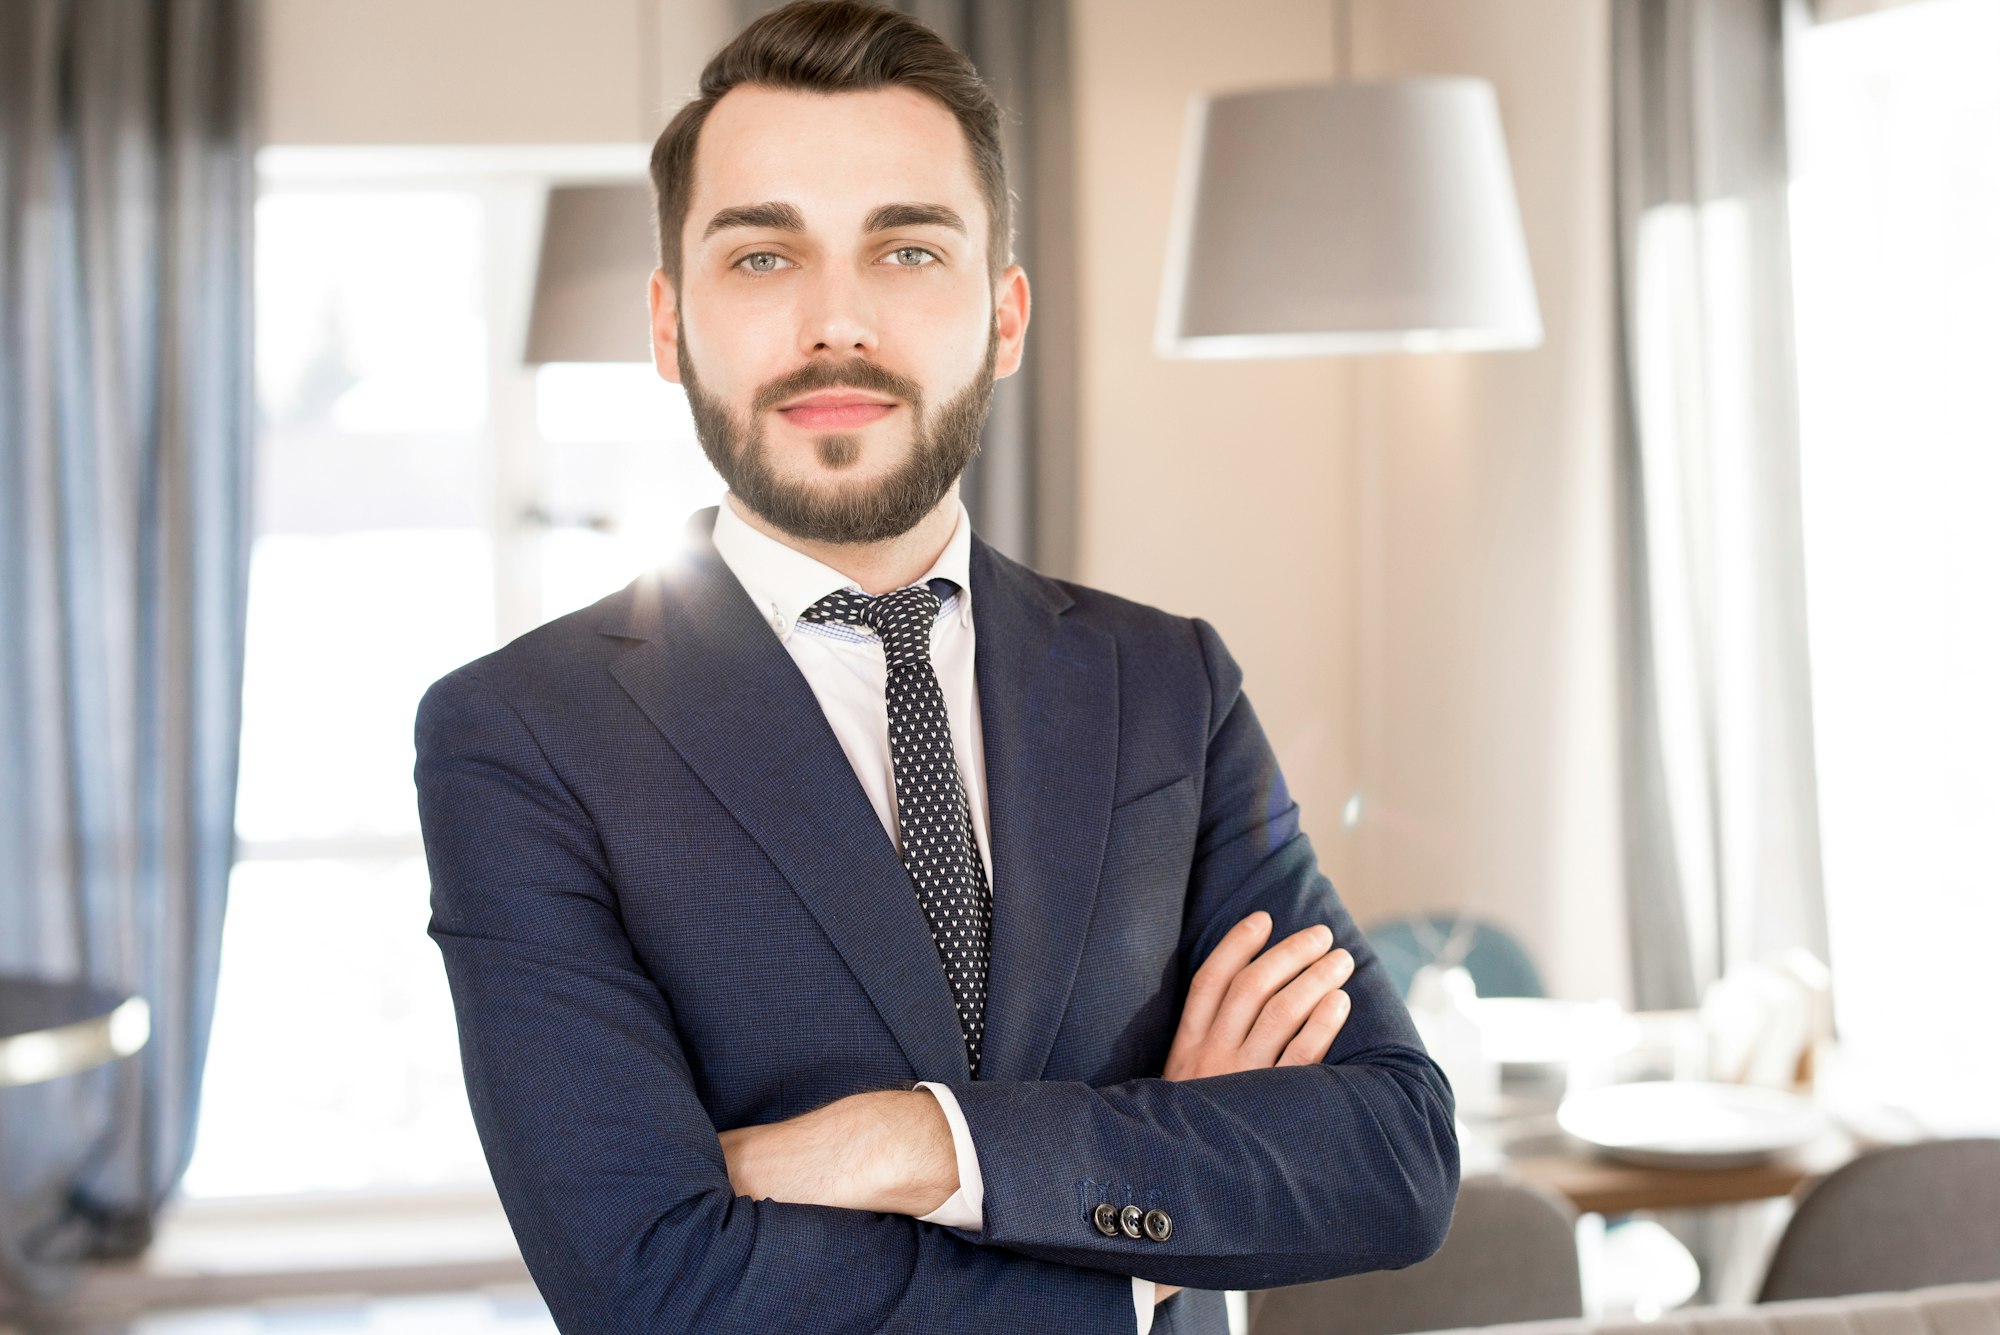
(1689, 1124)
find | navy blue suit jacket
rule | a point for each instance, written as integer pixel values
(667, 908)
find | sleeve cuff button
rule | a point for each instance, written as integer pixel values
(1105, 1217)
(1159, 1225)
(1129, 1221)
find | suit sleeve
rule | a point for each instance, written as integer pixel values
(610, 1169)
(1271, 1177)
(963, 1208)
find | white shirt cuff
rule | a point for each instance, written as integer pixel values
(966, 1207)
(1142, 1303)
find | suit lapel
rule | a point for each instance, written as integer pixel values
(1048, 703)
(713, 679)
(723, 690)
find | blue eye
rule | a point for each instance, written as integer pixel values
(913, 250)
(760, 255)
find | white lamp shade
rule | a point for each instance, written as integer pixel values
(1347, 218)
(590, 286)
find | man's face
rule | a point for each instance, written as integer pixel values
(835, 329)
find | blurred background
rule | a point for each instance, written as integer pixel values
(1632, 668)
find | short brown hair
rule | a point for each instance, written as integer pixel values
(836, 46)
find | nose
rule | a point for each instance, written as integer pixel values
(838, 316)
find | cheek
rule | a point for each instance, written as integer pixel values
(952, 307)
(939, 334)
(735, 351)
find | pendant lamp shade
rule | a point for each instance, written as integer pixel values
(590, 286)
(1347, 218)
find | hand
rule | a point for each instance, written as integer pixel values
(1283, 1009)
(889, 1152)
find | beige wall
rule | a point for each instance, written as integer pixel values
(1211, 489)
(492, 72)
(1411, 557)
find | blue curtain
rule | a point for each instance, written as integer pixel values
(125, 439)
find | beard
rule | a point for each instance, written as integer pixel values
(941, 445)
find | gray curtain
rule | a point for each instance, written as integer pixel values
(1021, 489)
(125, 435)
(1722, 815)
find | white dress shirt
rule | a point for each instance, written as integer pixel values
(844, 666)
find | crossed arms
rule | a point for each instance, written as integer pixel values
(892, 1151)
(619, 1186)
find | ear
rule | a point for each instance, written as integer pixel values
(665, 307)
(1010, 311)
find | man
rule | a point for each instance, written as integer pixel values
(849, 928)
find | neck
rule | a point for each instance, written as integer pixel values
(878, 567)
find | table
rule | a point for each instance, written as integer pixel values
(1595, 1184)
(1726, 1245)
(1521, 1136)
(51, 1028)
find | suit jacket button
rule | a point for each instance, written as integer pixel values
(1105, 1217)
(1129, 1220)
(1159, 1225)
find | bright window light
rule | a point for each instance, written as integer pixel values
(422, 497)
(590, 402)
(1896, 206)
(369, 314)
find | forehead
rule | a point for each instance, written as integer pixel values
(834, 155)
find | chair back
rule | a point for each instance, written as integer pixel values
(1907, 1217)
(1499, 965)
(1510, 1255)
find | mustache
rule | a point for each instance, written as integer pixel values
(856, 373)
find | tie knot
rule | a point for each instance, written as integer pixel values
(902, 618)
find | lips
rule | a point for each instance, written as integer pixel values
(834, 410)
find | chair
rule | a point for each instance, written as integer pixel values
(1496, 961)
(1906, 1217)
(1510, 1255)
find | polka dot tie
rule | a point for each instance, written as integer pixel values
(931, 807)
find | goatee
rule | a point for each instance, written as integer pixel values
(941, 446)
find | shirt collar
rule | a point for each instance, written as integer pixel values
(783, 581)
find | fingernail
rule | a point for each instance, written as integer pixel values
(1327, 934)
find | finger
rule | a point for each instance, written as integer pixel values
(1315, 1040)
(1238, 946)
(1290, 1007)
(1256, 982)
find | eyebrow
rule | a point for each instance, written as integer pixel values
(782, 217)
(914, 215)
(775, 216)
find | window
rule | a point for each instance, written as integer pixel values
(422, 498)
(1896, 205)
